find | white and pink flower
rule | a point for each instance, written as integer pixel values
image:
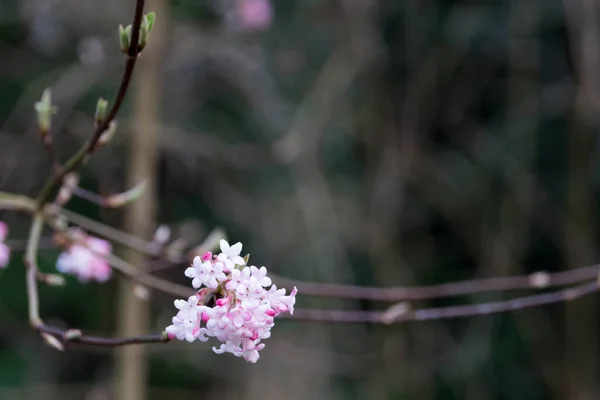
(4, 249)
(86, 259)
(235, 306)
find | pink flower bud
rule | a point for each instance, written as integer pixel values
(224, 302)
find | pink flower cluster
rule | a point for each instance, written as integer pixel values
(85, 258)
(4, 249)
(235, 305)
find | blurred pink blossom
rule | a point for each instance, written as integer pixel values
(254, 14)
(86, 259)
(4, 250)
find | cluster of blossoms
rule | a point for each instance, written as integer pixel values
(235, 305)
(85, 258)
(4, 249)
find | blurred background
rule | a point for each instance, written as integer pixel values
(371, 142)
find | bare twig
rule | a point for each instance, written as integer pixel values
(111, 201)
(471, 310)
(32, 270)
(107, 231)
(15, 202)
(77, 337)
(150, 281)
(80, 157)
(49, 144)
(537, 280)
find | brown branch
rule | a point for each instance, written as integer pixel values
(424, 314)
(49, 145)
(343, 316)
(79, 158)
(76, 337)
(537, 280)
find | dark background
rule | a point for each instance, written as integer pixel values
(373, 142)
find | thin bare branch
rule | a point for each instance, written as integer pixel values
(537, 280)
(424, 314)
(79, 158)
(16, 202)
(107, 231)
(49, 145)
(32, 270)
(77, 337)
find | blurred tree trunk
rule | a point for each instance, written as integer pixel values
(133, 311)
(581, 322)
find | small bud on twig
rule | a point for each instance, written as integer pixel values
(52, 341)
(395, 311)
(44, 111)
(539, 279)
(125, 38)
(147, 23)
(108, 134)
(60, 222)
(66, 191)
(72, 334)
(164, 336)
(141, 292)
(101, 107)
(162, 234)
(52, 279)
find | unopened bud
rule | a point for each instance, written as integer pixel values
(101, 107)
(72, 334)
(141, 292)
(52, 341)
(66, 191)
(108, 134)
(162, 234)
(53, 279)
(44, 111)
(125, 38)
(165, 336)
(146, 28)
(61, 222)
(539, 279)
(394, 312)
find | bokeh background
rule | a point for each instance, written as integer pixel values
(372, 142)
